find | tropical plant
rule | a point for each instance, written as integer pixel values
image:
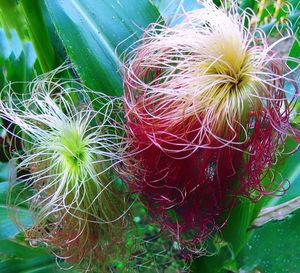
(65, 65)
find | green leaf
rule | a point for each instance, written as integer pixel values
(220, 260)
(274, 247)
(248, 4)
(8, 228)
(17, 256)
(12, 17)
(294, 52)
(38, 31)
(91, 30)
(170, 9)
(17, 61)
(288, 167)
(236, 232)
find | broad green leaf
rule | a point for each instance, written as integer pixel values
(12, 17)
(58, 47)
(91, 30)
(8, 228)
(16, 248)
(170, 9)
(38, 31)
(274, 247)
(288, 168)
(235, 231)
(248, 4)
(17, 256)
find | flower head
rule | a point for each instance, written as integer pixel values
(69, 150)
(207, 115)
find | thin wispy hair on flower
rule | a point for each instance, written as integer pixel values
(208, 114)
(65, 164)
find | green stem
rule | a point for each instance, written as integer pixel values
(39, 34)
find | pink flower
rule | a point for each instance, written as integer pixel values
(207, 116)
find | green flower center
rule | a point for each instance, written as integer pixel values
(73, 149)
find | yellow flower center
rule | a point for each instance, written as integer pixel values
(72, 149)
